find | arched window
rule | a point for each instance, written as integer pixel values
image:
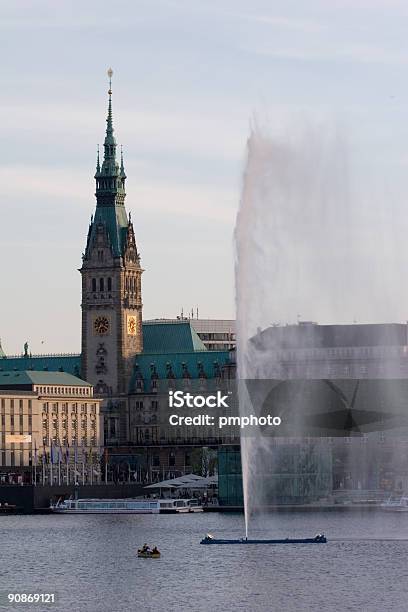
(101, 285)
(94, 284)
(127, 284)
(109, 284)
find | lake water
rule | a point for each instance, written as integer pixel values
(91, 565)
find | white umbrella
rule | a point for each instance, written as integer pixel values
(161, 485)
(176, 483)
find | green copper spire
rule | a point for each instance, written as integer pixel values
(110, 178)
(110, 189)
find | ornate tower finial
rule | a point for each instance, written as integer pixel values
(98, 166)
(122, 167)
(110, 142)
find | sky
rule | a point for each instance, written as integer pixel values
(190, 78)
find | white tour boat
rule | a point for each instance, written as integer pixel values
(125, 506)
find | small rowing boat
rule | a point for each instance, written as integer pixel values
(148, 555)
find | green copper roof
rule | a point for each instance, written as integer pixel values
(160, 337)
(164, 337)
(53, 363)
(208, 362)
(115, 220)
(29, 378)
(165, 343)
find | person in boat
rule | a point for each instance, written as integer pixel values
(208, 537)
(145, 548)
(155, 551)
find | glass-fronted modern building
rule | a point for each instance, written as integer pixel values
(288, 472)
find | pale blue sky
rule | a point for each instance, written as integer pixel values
(188, 77)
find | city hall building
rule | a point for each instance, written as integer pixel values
(132, 364)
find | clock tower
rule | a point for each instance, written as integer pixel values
(111, 279)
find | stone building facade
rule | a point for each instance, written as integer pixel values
(44, 415)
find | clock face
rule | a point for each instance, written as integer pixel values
(131, 325)
(101, 325)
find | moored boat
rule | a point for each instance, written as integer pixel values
(125, 506)
(106, 506)
(175, 506)
(396, 504)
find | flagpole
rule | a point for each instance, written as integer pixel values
(59, 469)
(35, 462)
(67, 461)
(51, 463)
(75, 461)
(91, 464)
(83, 465)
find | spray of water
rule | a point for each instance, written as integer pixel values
(306, 248)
